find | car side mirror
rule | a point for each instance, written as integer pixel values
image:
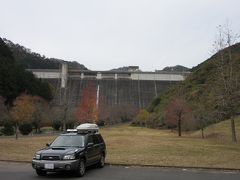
(48, 144)
(90, 144)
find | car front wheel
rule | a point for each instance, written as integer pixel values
(81, 169)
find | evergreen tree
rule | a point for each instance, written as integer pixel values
(14, 80)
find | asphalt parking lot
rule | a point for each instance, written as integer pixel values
(24, 171)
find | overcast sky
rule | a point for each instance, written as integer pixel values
(105, 34)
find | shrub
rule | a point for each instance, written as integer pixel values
(7, 129)
(125, 118)
(155, 121)
(25, 128)
(141, 117)
(70, 125)
(56, 125)
(101, 123)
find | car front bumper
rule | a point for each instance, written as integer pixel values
(64, 165)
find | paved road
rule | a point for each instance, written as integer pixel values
(15, 171)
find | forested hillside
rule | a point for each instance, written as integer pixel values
(177, 68)
(14, 80)
(32, 60)
(208, 95)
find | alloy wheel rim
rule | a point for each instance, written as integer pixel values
(82, 168)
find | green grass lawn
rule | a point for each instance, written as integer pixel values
(143, 146)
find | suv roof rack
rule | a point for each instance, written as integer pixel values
(85, 128)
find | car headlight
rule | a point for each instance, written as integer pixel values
(37, 156)
(69, 157)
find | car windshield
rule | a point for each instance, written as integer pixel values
(68, 141)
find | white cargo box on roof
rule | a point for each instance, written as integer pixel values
(88, 128)
(71, 130)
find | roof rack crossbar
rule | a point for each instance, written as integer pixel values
(71, 130)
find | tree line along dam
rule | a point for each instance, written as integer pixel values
(134, 89)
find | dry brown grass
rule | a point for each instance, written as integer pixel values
(22, 149)
(143, 146)
(133, 145)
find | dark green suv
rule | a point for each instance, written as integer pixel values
(73, 151)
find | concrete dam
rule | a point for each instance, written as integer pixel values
(133, 89)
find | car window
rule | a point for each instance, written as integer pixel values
(90, 139)
(95, 139)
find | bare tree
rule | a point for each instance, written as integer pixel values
(87, 109)
(176, 112)
(41, 113)
(227, 77)
(203, 117)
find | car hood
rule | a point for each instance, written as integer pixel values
(59, 150)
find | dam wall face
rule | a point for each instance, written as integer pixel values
(138, 93)
(119, 94)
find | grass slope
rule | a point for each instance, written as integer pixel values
(143, 146)
(220, 132)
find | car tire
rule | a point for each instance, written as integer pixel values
(81, 169)
(41, 172)
(101, 162)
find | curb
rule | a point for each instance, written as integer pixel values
(175, 167)
(15, 161)
(150, 166)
